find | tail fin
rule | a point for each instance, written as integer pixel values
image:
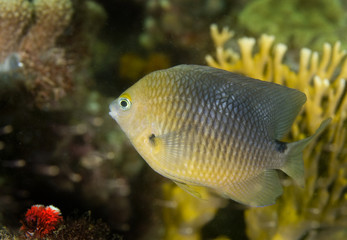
(294, 166)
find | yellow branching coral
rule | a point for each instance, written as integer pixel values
(35, 49)
(185, 215)
(323, 202)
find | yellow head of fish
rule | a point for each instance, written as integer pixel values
(132, 111)
(127, 111)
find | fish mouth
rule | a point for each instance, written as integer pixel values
(113, 111)
(113, 115)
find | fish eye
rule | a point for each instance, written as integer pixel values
(124, 103)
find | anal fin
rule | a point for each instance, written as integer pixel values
(261, 190)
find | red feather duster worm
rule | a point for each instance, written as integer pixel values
(40, 221)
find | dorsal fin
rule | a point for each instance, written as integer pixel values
(274, 105)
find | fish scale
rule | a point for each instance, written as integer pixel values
(211, 133)
(208, 128)
(208, 100)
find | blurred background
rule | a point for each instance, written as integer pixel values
(62, 62)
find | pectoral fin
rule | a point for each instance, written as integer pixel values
(170, 147)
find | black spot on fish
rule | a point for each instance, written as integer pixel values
(152, 139)
(281, 146)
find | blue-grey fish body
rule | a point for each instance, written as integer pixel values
(205, 127)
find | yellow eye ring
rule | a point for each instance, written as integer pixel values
(124, 103)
